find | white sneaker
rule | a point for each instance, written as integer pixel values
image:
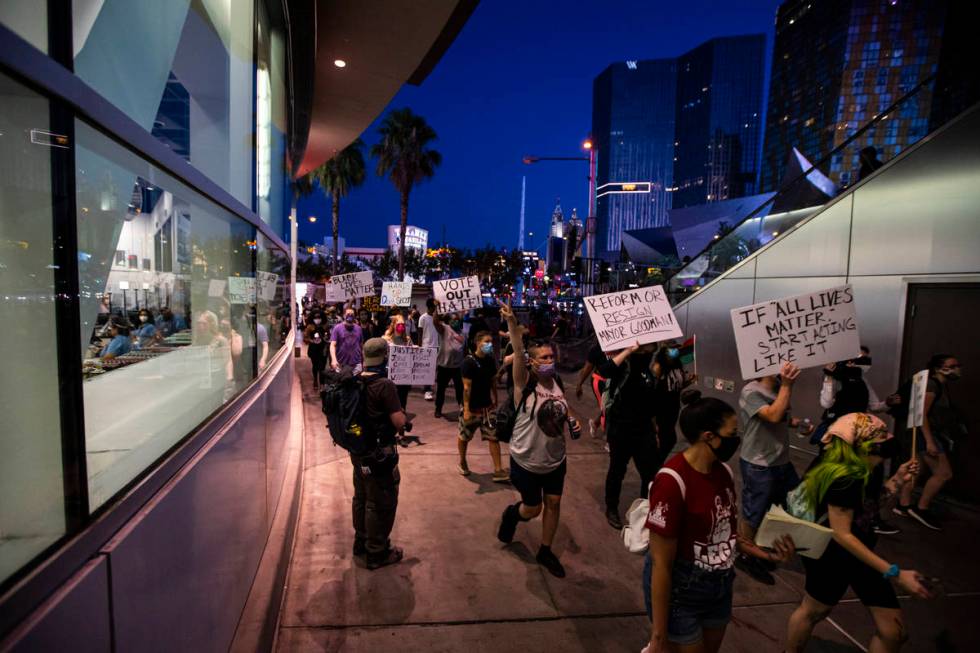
(428, 396)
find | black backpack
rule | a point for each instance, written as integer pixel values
(507, 413)
(344, 402)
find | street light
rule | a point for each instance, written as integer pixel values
(312, 218)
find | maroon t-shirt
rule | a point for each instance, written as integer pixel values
(699, 510)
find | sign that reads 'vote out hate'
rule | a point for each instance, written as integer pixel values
(460, 294)
(623, 318)
(806, 330)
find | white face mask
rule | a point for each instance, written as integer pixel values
(143, 318)
(316, 321)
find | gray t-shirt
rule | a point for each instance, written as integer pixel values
(531, 445)
(430, 337)
(763, 443)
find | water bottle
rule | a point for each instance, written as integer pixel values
(803, 429)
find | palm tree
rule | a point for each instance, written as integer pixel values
(336, 178)
(403, 155)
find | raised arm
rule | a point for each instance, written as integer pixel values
(519, 367)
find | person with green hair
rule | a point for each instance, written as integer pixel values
(833, 491)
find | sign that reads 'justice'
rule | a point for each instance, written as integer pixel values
(623, 318)
(412, 365)
(460, 294)
(806, 330)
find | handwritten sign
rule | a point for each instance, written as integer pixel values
(396, 293)
(917, 398)
(241, 290)
(371, 303)
(640, 315)
(354, 285)
(216, 287)
(266, 282)
(460, 294)
(806, 330)
(333, 294)
(412, 365)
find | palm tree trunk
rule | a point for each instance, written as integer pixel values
(336, 228)
(401, 240)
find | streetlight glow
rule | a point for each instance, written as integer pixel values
(312, 218)
(340, 63)
(587, 145)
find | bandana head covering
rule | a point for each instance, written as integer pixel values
(856, 428)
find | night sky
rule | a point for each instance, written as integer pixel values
(518, 80)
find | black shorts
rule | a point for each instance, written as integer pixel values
(532, 485)
(828, 578)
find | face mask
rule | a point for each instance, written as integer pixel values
(863, 361)
(487, 348)
(399, 329)
(545, 370)
(727, 448)
(673, 352)
(349, 319)
(952, 373)
(316, 321)
(455, 325)
(143, 318)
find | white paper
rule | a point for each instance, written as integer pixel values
(396, 293)
(216, 287)
(266, 282)
(917, 398)
(462, 294)
(241, 290)
(807, 330)
(354, 284)
(811, 538)
(639, 315)
(412, 365)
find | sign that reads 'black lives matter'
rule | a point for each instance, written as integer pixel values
(806, 330)
(623, 318)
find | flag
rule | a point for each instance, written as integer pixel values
(687, 351)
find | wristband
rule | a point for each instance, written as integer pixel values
(891, 572)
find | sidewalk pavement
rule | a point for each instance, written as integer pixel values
(459, 589)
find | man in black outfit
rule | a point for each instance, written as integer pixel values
(376, 476)
(631, 425)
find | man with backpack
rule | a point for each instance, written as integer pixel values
(364, 416)
(631, 422)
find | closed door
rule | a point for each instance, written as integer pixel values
(945, 319)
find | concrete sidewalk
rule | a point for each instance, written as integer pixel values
(459, 589)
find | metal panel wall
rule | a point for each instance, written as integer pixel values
(815, 248)
(277, 425)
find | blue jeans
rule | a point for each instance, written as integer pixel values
(763, 487)
(699, 599)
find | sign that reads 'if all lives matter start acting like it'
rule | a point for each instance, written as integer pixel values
(623, 318)
(807, 330)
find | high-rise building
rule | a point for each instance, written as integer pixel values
(556, 240)
(838, 63)
(688, 126)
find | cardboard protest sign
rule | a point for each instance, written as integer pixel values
(412, 365)
(396, 293)
(640, 315)
(807, 330)
(266, 284)
(241, 290)
(917, 398)
(333, 294)
(216, 287)
(460, 294)
(371, 303)
(354, 284)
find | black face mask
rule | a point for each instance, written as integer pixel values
(727, 448)
(886, 449)
(863, 360)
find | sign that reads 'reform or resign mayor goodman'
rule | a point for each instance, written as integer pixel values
(457, 294)
(640, 315)
(807, 330)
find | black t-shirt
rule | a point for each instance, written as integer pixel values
(382, 401)
(848, 493)
(480, 371)
(596, 356)
(634, 403)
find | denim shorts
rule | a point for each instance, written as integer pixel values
(763, 487)
(698, 599)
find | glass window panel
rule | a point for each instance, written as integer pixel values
(272, 281)
(32, 513)
(150, 382)
(29, 19)
(271, 186)
(191, 83)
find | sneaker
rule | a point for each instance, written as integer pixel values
(900, 510)
(508, 523)
(881, 527)
(547, 559)
(463, 469)
(438, 414)
(754, 568)
(429, 396)
(503, 476)
(592, 428)
(392, 556)
(926, 518)
(613, 518)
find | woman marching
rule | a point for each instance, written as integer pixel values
(693, 536)
(833, 489)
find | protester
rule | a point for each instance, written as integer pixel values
(594, 359)
(479, 404)
(345, 343)
(448, 361)
(941, 426)
(376, 476)
(430, 334)
(688, 575)
(397, 334)
(767, 473)
(537, 446)
(316, 338)
(670, 380)
(631, 426)
(833, 488)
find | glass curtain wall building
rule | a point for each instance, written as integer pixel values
(144, 282)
